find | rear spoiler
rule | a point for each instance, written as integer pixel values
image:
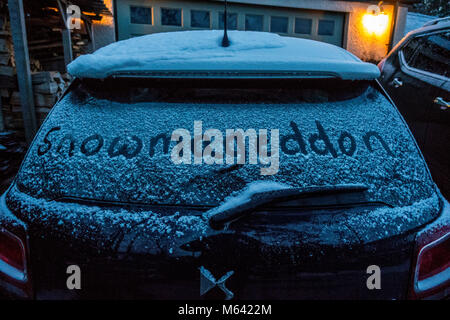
(222, 74)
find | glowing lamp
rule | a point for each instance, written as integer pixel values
(375, 21)
(375, 24)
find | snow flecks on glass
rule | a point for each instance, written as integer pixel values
(58, 166)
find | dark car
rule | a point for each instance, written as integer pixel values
(416, 74)
(174, 168)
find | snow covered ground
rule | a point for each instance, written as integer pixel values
(416, 20)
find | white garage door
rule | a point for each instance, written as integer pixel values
(140, 17)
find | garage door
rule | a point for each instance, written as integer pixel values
(140, 17)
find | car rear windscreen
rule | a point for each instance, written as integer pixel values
(195, 142)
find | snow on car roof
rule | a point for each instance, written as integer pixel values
(199, 53)
(433, 25)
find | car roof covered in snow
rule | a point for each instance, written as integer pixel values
(199, 54)
(434, 25)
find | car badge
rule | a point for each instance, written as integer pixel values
(208, 281)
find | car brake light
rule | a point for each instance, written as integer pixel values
(431, 276)
(14, 274)
(12, 256)
(434, 258)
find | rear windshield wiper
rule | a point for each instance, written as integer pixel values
(220, 217)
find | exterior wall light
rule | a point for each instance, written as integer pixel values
(375, 21)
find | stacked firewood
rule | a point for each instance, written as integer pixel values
(44, 31)
(47, 85)
(12, 144)
(8, 79)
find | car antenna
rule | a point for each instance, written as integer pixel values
(225, 41)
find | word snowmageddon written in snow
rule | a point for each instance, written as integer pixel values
(236, 146)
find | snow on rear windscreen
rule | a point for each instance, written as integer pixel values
(112, 142)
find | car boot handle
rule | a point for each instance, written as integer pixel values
(444, 104)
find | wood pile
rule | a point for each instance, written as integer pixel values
(47, 85)
(44, 30)
(8, 79)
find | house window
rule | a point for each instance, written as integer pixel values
(200, 19)
(170, 17)
(326, 27)
(140, 15)
(254, 22)
(279, 24)
(231, 20)
(303, 26)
